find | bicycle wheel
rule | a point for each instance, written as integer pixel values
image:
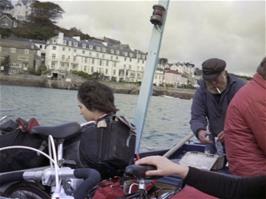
(26, 190)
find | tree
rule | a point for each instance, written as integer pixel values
(76, 32)
(45, 13)
(6, 64)
(41, 21)
(4, 32)
(41, 70)
(198, 72)
(97, 76)
(33, 31)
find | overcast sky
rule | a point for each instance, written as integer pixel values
(194, 30)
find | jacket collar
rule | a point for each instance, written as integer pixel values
(258, 78)
(231, 80)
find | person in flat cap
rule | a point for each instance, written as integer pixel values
(210, 103)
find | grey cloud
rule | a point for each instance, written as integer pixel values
(194, 31)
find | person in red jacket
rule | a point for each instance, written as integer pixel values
(245, 127)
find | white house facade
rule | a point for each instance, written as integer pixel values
(173, 77)
(111, 58)
(183, 68)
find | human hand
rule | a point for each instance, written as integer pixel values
(164, 166)
(203, 137)
(220, 136)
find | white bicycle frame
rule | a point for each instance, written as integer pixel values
(53, 175)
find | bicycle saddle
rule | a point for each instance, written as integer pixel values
(59, 132)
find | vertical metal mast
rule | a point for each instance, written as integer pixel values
(158, 20)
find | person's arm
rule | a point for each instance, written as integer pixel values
(219, 185)
(198, 122)
(226, 186)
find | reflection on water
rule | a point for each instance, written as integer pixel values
(167, 119)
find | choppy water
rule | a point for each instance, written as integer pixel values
(167, 121)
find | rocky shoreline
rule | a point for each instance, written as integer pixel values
(124, 88)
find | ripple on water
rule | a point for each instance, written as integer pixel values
(166, 122)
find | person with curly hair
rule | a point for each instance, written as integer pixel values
(106, 143)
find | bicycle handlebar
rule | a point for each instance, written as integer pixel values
(11, 177)
(138, 171)
(91, 178)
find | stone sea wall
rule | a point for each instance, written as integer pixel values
(125, 88)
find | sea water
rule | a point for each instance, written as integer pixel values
(167, 120)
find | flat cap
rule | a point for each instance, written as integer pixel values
(211, 68)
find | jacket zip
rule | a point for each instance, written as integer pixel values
(100, 144)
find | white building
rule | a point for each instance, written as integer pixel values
(173, 77)
(183, 68)
(41, 46)
(158, 77)
(21, 10)
(111, 58)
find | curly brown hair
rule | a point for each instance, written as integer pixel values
(97, 97)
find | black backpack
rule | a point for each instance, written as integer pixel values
(108, 145)
(18, 133)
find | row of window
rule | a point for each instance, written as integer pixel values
(86, 60)
(102, 56)
(14, 50)
(106, 71)
(100, 62)
(121, 73)
(20, 65)
(99, 49)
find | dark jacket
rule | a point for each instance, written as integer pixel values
(227, 186)
(205, 109)
(89, 150)
(107, 146)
